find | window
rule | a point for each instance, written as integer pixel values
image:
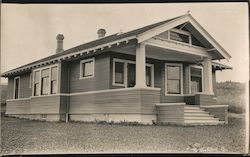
(119, 73)
(124, 72)
(16, 87)
(149, 76)
(36, 83)
(179, 37)
(30, 82)
(45, 81)
(53, 81)
(173, 74)
(87, 68)
(196, 79)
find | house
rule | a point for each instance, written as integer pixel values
(164, 72)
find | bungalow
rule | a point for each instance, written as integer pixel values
(164, 72)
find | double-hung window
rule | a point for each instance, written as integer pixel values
(16, 87)
(124, 72)
(173, 75)
(45, 81)
(36, 83)
(87, 68)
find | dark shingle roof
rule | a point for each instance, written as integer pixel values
(98, 42)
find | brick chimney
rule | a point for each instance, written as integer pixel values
(59, 39)
(101, 33)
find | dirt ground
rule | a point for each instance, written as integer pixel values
(20, 136)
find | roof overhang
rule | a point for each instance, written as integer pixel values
(219, 66)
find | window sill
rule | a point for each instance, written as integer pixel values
(87, 77)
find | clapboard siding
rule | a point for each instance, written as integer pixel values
(18, 107)
(64, 77)
(109, 102)
(219, 112)
(205, 99)
(148, 100)
(25, 90)
(100, 81)
(10, 88)
(170, 114)
(45, 104)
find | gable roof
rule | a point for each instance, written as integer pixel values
(96, 44)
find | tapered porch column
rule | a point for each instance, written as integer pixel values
(140, 66)
(208, 82)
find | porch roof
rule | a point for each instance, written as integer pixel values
(219, 66)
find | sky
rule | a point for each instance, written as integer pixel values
(28, 31)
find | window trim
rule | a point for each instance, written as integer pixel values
(125, 68)
(202, 78)
(15, 78)
(40, 80)
(166, 79)
(84, 61)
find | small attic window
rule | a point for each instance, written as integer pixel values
(179, 36)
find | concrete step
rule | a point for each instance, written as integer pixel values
(200, 118)
(196, 111)
(197, 115)
(198, 121)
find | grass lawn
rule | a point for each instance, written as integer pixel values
(19, 136)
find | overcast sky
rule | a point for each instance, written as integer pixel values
(29, 31)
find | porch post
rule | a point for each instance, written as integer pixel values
(208, 82)
(140, 66)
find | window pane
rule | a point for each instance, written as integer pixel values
(119, 72)
(45, 73)
(53, 87)
(179, 37)
(148, 76)
(36, 89)
(45, 85)
(16, 88)
(196, 72)
(88, 68)
(54, 73)
(37, 77)
(173, 72)
(173, 87)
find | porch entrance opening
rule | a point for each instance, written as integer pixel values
(196, 79)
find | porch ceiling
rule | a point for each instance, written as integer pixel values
(170, 55)
(161, 53)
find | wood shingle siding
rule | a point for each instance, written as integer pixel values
(100, 81)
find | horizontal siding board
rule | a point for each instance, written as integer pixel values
(18, 107)
(50, 104)
(109, 102)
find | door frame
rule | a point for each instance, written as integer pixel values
(181, 77)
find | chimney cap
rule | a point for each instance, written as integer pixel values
(101, 32)
(60, 37)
